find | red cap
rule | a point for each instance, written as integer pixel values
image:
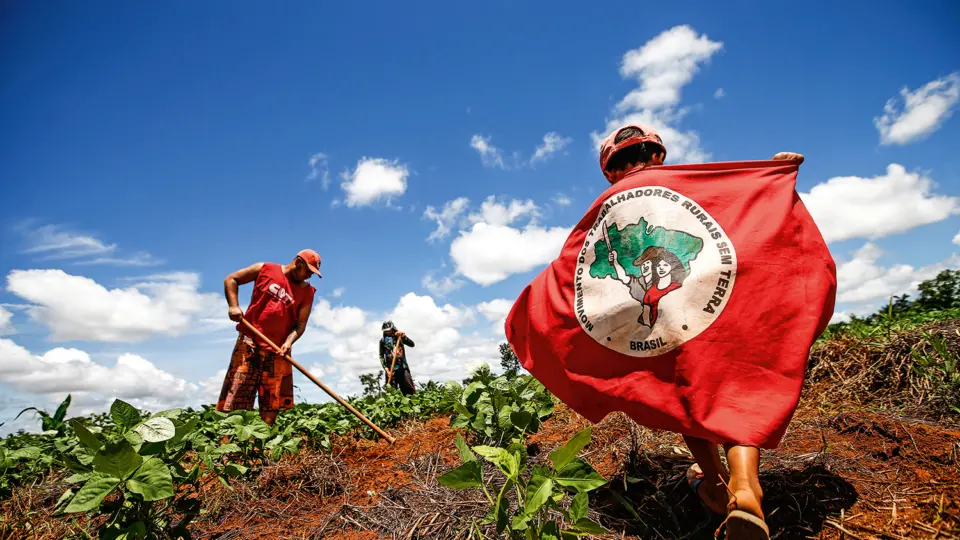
(608, 147)
(312, 258)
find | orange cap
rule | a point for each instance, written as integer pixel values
(608, 147)
(312, 258)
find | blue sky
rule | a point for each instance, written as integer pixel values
(148, 151)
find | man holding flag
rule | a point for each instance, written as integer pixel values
(688, 297)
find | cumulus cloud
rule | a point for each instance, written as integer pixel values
(338, 292)
(662, 67)
(553, 142)
(62, 370)
(956, 239)
(443, 343)
(719, 94)
(861, 280)
(374, 180)
(50, 376)
(500, 238)
(495, 212)
(489, 253)
(78, 308)
(848, 207)
(6, 322)
(918, 113)
(446, 218)
(496, 311)
(319, 169)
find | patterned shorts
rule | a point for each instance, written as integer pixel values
(253, 373)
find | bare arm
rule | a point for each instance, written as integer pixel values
(231, 287)
(299, 329)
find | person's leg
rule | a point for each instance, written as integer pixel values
(744, 464)
(240, 383)
(408, 387)
(711, 490)
(276, 387)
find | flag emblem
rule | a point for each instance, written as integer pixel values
(655, 270)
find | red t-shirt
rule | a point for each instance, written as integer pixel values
(653, 296)
(274, 305)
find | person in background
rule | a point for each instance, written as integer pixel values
(280, 305)
(634, 148)
(392, 352)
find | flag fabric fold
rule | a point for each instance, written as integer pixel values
(688, 297)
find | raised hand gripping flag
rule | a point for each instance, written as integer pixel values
(688, 297)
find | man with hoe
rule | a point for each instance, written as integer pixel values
(393, 357)
(634, 148)
(279, 307)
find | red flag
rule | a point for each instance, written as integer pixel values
(702, 323)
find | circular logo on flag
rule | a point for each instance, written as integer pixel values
(655, 271)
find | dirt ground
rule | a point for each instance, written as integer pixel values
(853, 474)
(838, 474)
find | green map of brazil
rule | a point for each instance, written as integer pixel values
(633, 239)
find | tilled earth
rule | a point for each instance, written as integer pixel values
(853, 474)
(848, 474)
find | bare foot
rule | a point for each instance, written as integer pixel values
(713, 494)
(747, 499)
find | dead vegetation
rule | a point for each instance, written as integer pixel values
(873, 452)
(884, 369)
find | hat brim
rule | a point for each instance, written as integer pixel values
(314, 269)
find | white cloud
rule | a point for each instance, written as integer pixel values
(338, 292)
(443, 286)
(319, 169)
(372, 180)
(496, 311)
(492, 248)
(719, 94)
(553, 142)
(61, 370)
(493, 157)
(921, 112)
(94, 386)
(847, 207)
(6, 324)
(861, 280)
(79, 308)
(662, 67)
(446, 218)
(54, 242)
(562, 200)
(489, 253)
(138, 259)
(57, 243)
(840, 316)
(441, 352)
(490, 155)
(956, 239)
(498, 213)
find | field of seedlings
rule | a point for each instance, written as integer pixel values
(873, 452)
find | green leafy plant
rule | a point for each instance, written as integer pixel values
(501, 410)
(539, 495)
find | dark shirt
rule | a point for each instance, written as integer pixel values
(386, 351)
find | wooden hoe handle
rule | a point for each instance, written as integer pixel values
(316, 381)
